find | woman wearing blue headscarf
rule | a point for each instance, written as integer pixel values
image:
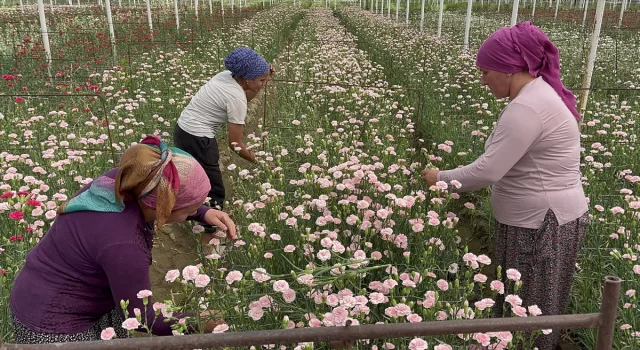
(222, 100)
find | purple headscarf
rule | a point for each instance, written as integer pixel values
(526, 47)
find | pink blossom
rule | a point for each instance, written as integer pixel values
(534, 310)
(513, 275)
(107, 333)
(144, 294)
(233, 276)
(418, 344)
(443, 347)
(414, 318)
(630, 293)
(484, 260)
(497, 286)
(519, 311)
(636, 269)
(377, 298)
(130, 324)
(430, 300)
(442, 285)
(289, 248)
(255, 313)
(417, 227)
(482, 338)
(190, 272)
(289, 295)
(158, 306)
(514, 300)
(260, 275)
(280, 286)
(314, 323)
(221, 328)
(324, 255)
(172, 275)
(306, 280)
(480, 278)
(617, 210)
(391, 312)
(403, 309)
(268, 255)
(202, 281)
(484, 303)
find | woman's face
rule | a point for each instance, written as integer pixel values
(181, 215)
(499, 83)
(258, 83)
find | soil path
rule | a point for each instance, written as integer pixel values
(175, 246)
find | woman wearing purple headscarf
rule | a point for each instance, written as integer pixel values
(532, 161)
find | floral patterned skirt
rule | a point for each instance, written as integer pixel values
(24, 335)
(546, 258)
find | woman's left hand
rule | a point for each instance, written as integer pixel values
(222, 221)
(430, 176)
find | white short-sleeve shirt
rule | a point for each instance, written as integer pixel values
(221, 100)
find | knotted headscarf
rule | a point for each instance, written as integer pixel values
(246, 63)
(163, 178)
(525, 47)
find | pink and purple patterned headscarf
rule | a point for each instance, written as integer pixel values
(525, 47)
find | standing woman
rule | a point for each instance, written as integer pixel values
(532, 159)
(98, 250)
(222, 100)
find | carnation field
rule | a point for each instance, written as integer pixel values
(335, 225)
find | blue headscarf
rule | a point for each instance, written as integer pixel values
(246, 63)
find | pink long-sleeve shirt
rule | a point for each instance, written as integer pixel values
(532, 159)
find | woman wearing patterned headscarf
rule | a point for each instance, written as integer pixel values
(222, 101)
(98, 250)
(532, 159)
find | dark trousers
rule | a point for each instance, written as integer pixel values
(205, 151)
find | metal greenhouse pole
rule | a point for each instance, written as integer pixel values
(440, 18)
(45, 35)
(467, 26)
(175, 11)
(622, 7)
(149, 19)
(591, 59)
(112, 34)
(514, 12)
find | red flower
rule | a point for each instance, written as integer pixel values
(23, 194)
(3, 272)
(8, 77)
(19, 100)
(6, 195)
(16, 215)
(33, 203)
(28, 229)
(15, 238)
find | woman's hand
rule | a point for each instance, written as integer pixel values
(211, 319)
(222, 221)
(430, 176)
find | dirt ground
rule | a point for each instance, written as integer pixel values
(175, 246)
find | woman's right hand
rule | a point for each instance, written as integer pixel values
(211, 319)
